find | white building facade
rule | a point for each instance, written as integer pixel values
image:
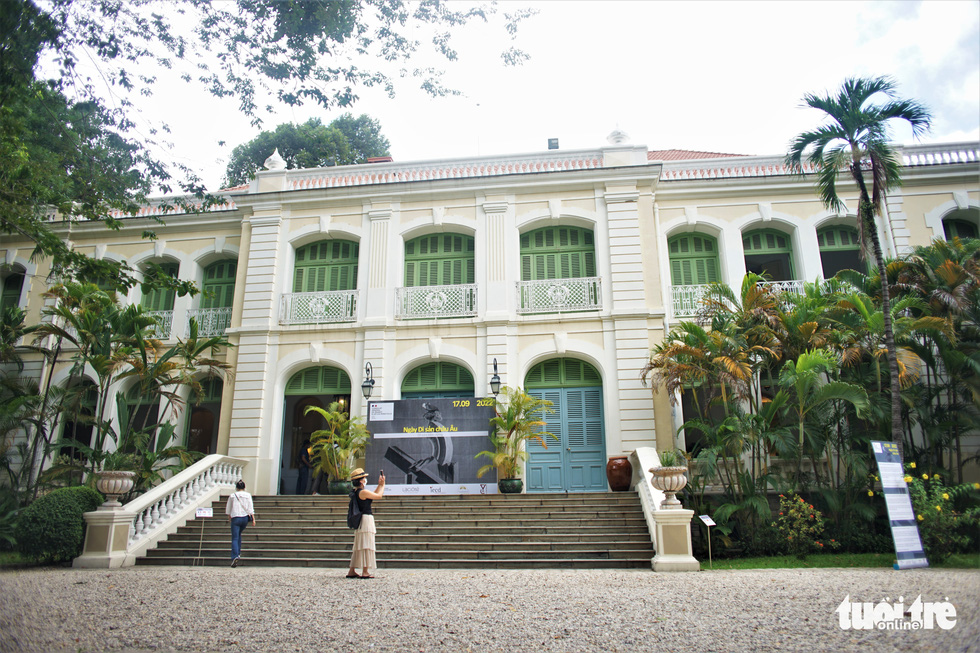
(561, 268)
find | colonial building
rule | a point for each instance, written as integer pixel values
(557, 270)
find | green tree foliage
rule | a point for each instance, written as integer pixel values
(855, 141)
(70, 145)
(344, 141)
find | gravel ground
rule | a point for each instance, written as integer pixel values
(260, 609)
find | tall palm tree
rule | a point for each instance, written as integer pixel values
(855, 140)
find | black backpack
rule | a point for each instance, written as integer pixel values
(353, 512)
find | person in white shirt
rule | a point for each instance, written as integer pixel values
(240, 513)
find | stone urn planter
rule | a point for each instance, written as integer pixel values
(114, 484)
(670, 481)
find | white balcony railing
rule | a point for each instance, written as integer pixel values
(435, 301)
(165, 323)
(318, 307)
(210, 321)
(687, 300)
(559, 295)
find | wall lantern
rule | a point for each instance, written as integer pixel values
(495, 380)
(368, 386)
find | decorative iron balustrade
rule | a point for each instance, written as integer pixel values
(795, 287)
(318, 307)
(559, 295)
(210, 321)
(687, 300)
(435, 301)
(165, 323)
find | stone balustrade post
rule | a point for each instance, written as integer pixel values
(106, 539)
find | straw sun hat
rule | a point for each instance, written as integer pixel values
(357, 473)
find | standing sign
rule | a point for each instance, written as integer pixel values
(429, 446)
(901, 517)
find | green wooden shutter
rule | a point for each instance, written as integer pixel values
(219, 285)
(440, 260)
(693, 259)
(326, 265)
(438, 377)
(319, 380)
(557, 253)
(13, 283)
(161, 299)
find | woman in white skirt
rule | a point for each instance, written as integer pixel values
(364, 550)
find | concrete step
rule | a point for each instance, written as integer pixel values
(594, 530)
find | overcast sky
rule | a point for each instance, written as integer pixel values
(721, 77)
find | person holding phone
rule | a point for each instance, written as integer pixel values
(363, 555)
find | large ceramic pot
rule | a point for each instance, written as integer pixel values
(114, 484)
(619, 473)
(670, 481)
(510, 485)
(339, 487)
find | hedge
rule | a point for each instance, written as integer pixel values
(52, 528)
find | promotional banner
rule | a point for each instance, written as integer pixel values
(429, 446)
(901, 517)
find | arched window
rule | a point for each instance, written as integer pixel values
(219, 284)
(160, 299)
(839, 249)
(693, 259)
(13, 284)
(439, 260)
(770, 253)
(557, 253)
(955, 228)
(326, 265)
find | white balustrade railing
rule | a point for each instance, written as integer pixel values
(795, 287)
(559, 295)
(165, 322)
(168, 506)
(210, 321)
(435, 301)
(687, 300)
(318, 307)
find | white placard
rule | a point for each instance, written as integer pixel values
(707, 520)
(381, 411)
(204, 512)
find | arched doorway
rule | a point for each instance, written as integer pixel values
(202, 426)
(314, 386)
(576, 461)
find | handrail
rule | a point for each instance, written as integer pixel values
(642, 459)
(163, 509)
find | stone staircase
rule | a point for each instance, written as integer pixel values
(596, 530)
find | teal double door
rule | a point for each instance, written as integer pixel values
(575, 459)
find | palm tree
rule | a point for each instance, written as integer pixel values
(856, 140)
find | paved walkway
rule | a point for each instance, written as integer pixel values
(258, 609)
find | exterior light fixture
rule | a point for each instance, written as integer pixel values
(368, 386)
(495, 380)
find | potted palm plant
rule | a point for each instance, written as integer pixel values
(670, 478)
(335, 448)
(517, 421)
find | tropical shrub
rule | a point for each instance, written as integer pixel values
(943, 528)
(518, 419)
(52, 528)
(801, 526)
(335, 447)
